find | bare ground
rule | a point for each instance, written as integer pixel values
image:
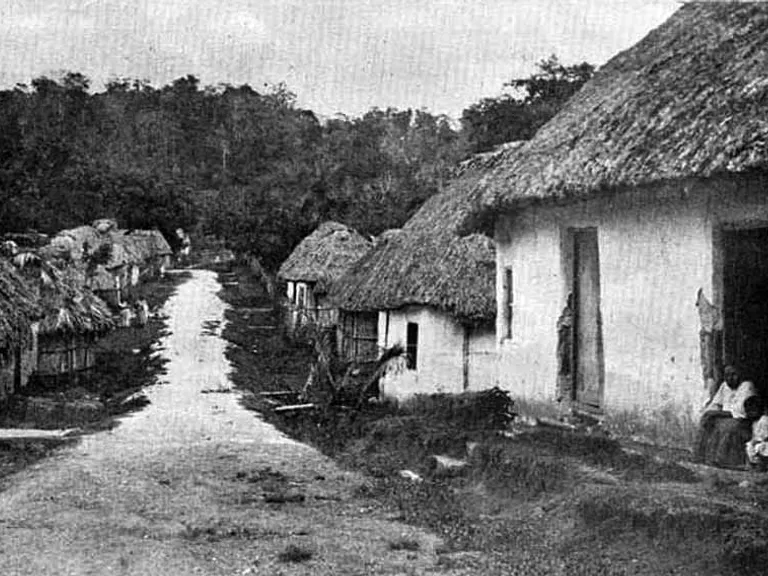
(195, 484)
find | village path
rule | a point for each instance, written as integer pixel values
(178, 487)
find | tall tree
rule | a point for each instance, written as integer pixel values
(528, 104)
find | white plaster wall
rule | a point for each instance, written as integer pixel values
(483, 359)
(439, 361)
(655, 254)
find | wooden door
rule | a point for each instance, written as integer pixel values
(588, 337)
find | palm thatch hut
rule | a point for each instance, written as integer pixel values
(73, 319)
(19, 312)
(107, 266)
(312, 268)
(156, 252)
(113, 260)
(432, 292)
(632, 230)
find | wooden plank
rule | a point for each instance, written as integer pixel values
(295, 408)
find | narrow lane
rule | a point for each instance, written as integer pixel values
(177, 488)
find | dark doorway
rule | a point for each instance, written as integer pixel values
(588, 333)
(745, 302)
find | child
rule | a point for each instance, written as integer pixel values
(757, 448)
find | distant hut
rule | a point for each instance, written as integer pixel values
(429, 291)
(312, 268)
(155, 252)
(19, 312)
(107, 265)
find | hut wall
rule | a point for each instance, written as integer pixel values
(63, 356)
(7, 374)
(302, 307)
(482, 358)
(657, 248)
(357, 336)
(448, 357)
(326, 315)
(29, 358)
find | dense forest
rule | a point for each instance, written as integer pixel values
(248, 166)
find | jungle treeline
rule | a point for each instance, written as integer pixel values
(249, 166)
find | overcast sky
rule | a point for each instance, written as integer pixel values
(337, 55)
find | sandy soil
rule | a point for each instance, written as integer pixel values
(178, 487)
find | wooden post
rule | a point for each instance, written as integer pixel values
(465, 356)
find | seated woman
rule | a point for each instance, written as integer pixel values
(726, 425)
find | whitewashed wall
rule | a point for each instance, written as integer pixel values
(656, 251)
(439, 361)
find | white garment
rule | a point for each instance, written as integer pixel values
(757, 448)
(733, 400)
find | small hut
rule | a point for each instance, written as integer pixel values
(71, 319)
(19, 312)
(155, 252)
(312, 268)
(429, 291)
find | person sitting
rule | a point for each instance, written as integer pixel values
(726, 424)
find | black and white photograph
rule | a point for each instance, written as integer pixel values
(393, 287)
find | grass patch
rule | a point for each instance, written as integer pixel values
(15, 455)
(295, 554)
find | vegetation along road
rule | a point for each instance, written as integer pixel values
(195, 484)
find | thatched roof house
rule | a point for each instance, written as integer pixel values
(19, 312)
(429, 290)
(72, 318)
(19, 308)
(631, 231)
(428, 263)
(312, 268)
(688, 101)
(324, 256)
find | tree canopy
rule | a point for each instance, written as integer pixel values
(246, 165)
(528, 104)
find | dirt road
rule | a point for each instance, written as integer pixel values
(178, 488)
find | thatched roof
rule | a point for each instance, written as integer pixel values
(69, 309)
(428, 263)
(18, 307)
(324, 256)
(690, 100)
(66, 308)
(152, 242)
(134, 247)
